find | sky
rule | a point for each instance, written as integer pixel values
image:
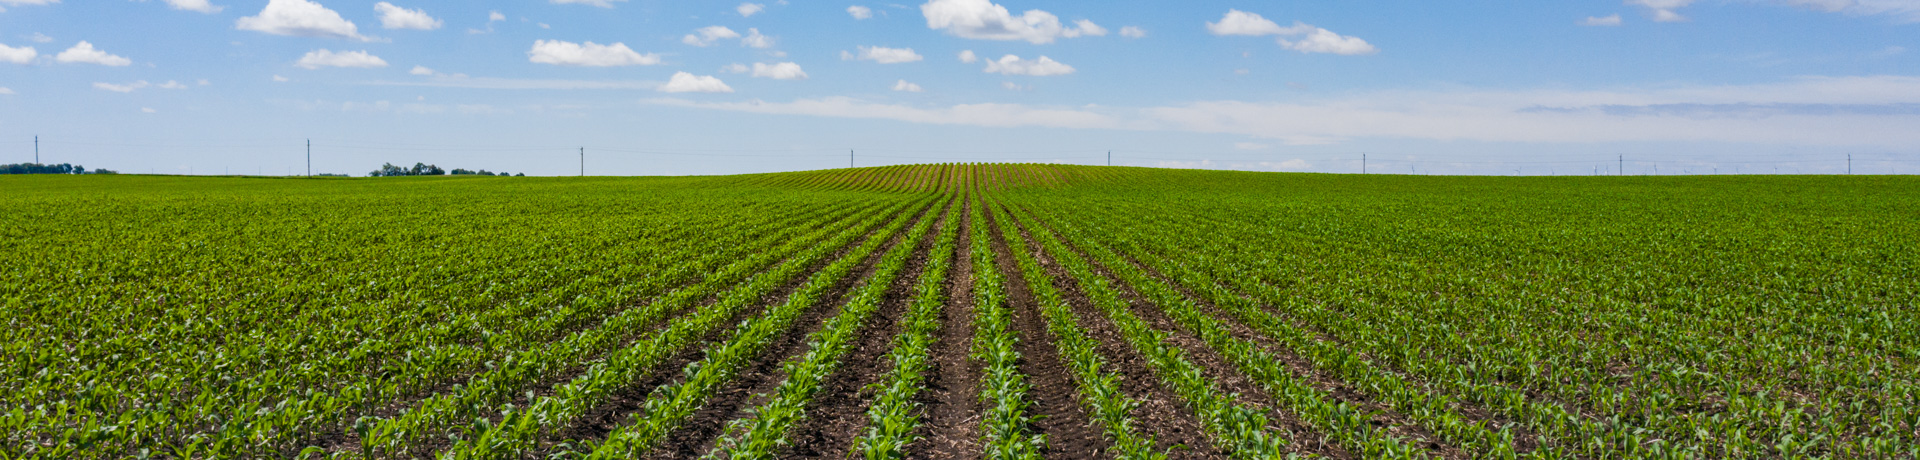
(642, 87)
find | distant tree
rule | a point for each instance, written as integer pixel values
(37, 168)
(418, 169)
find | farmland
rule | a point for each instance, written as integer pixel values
(961, 311)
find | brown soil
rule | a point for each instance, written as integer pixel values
(1160, 414)
(952, 396)
(698, 435)
(1057, 412)
(838, 412)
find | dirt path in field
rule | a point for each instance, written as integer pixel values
(1394, 422)
(1160, 414)
(952, 396)
(1058, 414)
(698, 435)
(838, 412)
(1216, 367)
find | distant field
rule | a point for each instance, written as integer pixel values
(960, 311)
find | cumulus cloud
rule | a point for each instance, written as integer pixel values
(170, 84)
(1325, 41)
(780, 71)
(126, 88)
(349, 59)
(394, 17)
(735, 68)
(598, 3)
(749, 9)
(201, 6)
(1312, 39)
(755, 40)
(968, 57)
(84, 53)
(300, 18)
(1238, 22)
(6, 91)
(40, 38)
(1606, 21)
(590, 54)
(883, 55)
(683, 82)
(904, 86)
(21, 55)
(25, 2)
(280, 79)
(1663, 10)
(983, 20)
(996, 115)
(420, 70)
(860, 12)
(705, 36)
(1132, 32)
(1013, 65)
(1906, 11)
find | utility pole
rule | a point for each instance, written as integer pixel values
(1363, 163)
(1623, 165)
(309, 158)
(849, 158)
(36, 149)
(1849, 164)
(583, 162)
(1109, 158)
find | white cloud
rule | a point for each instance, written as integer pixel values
(748, 9)
(190, 5)
(420, 70)
(590, 54)
(1606, 21)
(860, 12)
(1132, 32)
(21, 55)
(1663, 10)
(148, 110)
(705, 36)
(495, 16)
(1013, 65)
(204, 82)
(40, 38)
(968, 57)
(350, 59)
(904, 86)
(170, 84)
(683, 82)
(1888, 52)
(983, 20)
(463, 81)
(1325, 41)
(1237, 22)
(1011, 86)
(1906, 11)
(6, 91)
(735, 68)
(394, 17)
(26, 2)
(126, 88)
(280, 79)
(300, 18)
(1315, 40)
(84, 53)
(780, 71)
(598, 3)
(1814, 111)
(755, 40)
(883, 55)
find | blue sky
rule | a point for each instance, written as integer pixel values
(705, 87)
